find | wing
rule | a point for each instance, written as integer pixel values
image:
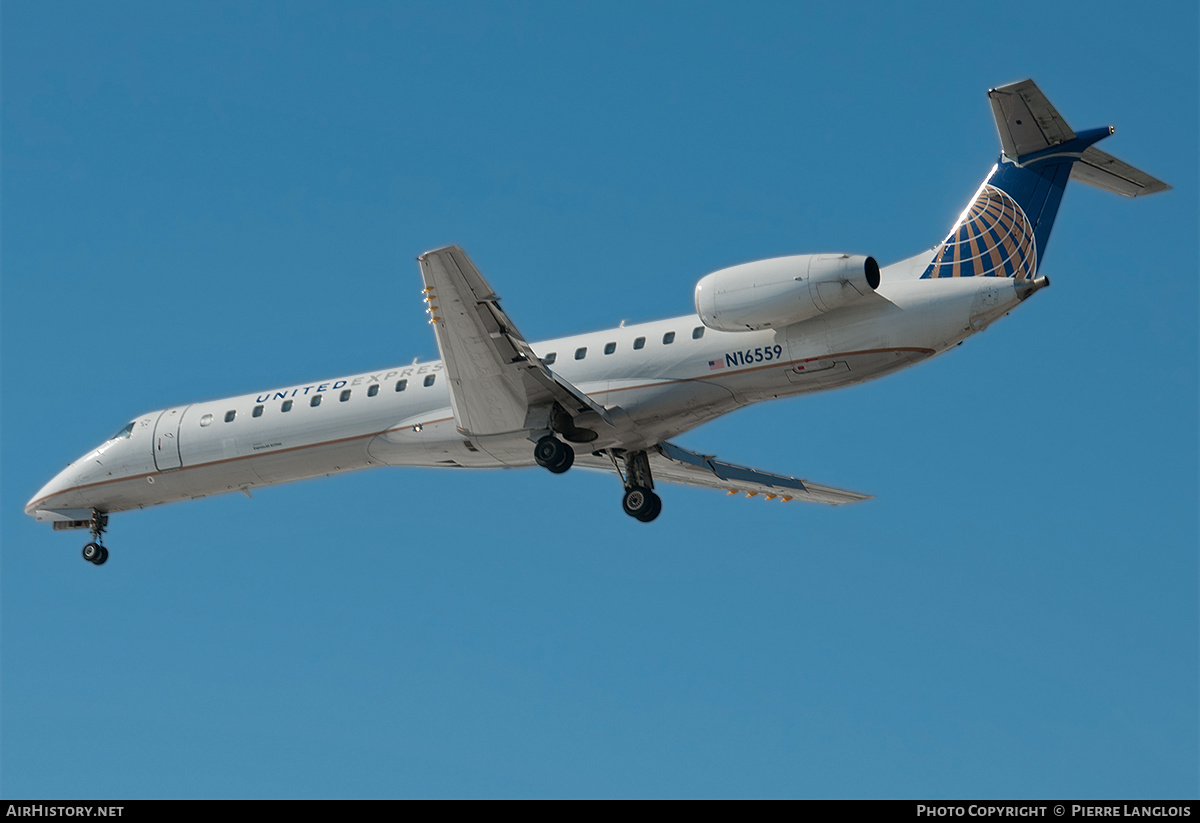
(497, 383)
(675, 465)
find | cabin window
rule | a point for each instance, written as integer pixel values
(697, 332)
(287, 406)
(373, 390)
(401, 385)
(550, 358)
(229, 415)
(258, 411)
(345, 395)
(316, 401)
(429, 380)
(668, 338)
(609, 348)
(581, 352)
(206, 420)
(639, 343)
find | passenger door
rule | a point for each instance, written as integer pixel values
(166, 439)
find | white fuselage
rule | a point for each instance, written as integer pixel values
(656, 380)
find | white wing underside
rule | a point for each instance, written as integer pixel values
(497, 383)
(672, 464)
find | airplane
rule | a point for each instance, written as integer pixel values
(612, 400)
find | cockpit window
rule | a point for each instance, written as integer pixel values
(125, 432)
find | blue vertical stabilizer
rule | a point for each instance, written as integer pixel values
(1004, 229)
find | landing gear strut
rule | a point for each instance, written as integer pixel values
(640, 501)
(94, 552)
(554, 454)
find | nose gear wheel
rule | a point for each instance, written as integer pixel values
(94, 552)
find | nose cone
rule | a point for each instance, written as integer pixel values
(55, 494)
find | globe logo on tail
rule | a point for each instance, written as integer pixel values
(993, 238)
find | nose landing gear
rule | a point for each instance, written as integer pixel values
(94, 552)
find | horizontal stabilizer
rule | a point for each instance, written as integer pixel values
(1107, 172)
(1026, 120)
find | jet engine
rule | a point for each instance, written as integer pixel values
(772, 293)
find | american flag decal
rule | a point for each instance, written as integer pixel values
(713, 365)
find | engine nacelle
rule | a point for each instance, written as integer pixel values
(772, 293)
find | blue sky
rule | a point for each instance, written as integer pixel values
(205, 199)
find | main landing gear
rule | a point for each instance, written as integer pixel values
(553, 454)
(94, 552)
(640, 501)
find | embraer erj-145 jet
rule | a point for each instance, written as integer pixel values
(613, 399)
